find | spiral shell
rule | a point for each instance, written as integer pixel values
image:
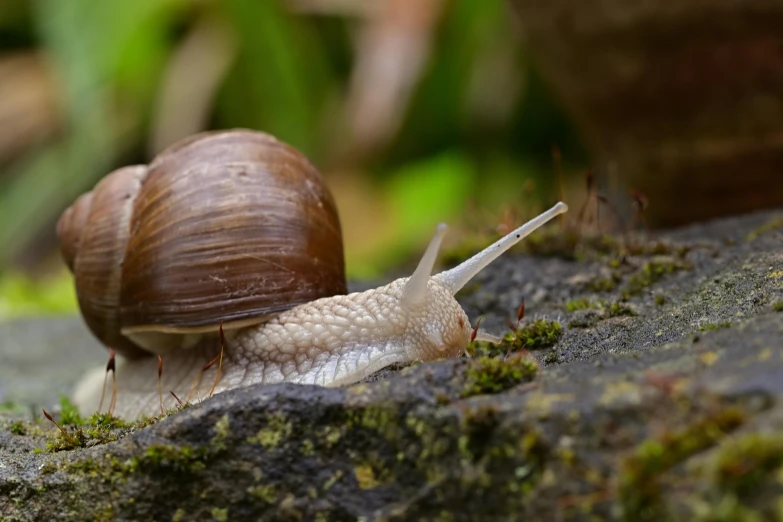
(230, 226)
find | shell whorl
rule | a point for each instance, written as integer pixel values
(94, 232)
(70, 227)
(231, 226)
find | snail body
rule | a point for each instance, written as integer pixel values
(330, 340)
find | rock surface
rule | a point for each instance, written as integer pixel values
(661, 400)
(43, 358)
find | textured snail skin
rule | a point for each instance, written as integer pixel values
(329, 342)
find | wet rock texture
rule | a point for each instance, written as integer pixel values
(661, 401)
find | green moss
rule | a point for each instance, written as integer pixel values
(219, 514)
(331, 481)
(580, 304)
(107, 421)
(581, 323)
(486, 375)
(177, 458)
(100, 428)
(278, 428)
(618, 309)
(365, 477)
(650, 273)
(534, 335)
(87, 466)
(743, 465)
(603, 284)
(660, 299)
(639, 488)
(331, 435)
(66, 440)
(48, 468)
(777, 306)
(769, 226)
(222, 431)
(539, 334)
(308, 448)
(608, 309)
(18, 428)
(266, 493)
(713, 326)
(69, 413)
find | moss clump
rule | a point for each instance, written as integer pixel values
(777, 306)
(487, 375)
(18, 428)
(66, 440)
(266, 493)
(100, 428)
(177, 458)
(580, 304)
(107, 421)
(618, 310)
(745, 464)
(539, 334)
(603, 284)
(607, 309)
(713, 326)
(365, 477)
(660, 299)
(277, 430)
(219, 514)
(639, 489)
(535, 335)
(650, 273)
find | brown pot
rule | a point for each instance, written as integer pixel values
(685, 97)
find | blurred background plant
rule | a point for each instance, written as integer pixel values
(414, 110)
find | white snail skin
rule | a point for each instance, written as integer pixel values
(332, 341)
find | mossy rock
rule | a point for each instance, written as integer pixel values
(671, 412)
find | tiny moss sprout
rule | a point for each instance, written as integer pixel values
(531, 336)
(650, 273)
(714, 326)
(486, 375)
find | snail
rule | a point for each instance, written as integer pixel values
(237, 231)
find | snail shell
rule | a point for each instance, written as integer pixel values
(230, 226)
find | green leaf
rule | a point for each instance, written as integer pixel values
(278, 82)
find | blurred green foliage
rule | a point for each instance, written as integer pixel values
(21, 295)
(478, 123)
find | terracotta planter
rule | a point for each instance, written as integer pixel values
(686, 97)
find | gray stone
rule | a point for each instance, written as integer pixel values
(661, 400)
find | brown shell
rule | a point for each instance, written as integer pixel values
(93, 233)
(227, 226)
